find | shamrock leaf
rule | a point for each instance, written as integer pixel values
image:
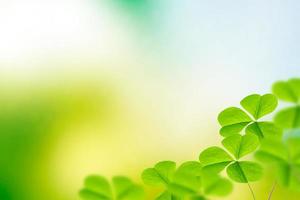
(259, 106)
(184, 181)
(98, 188)
(292, 140)
(284, 157)
(215, 185)
(233, 120)
(197, 197)
(214, 159)
(126, 190)
(159, 175)
(167, 196)
(272, 152)
(264, 130)
(189, 181)
(244, 171)
(239, 145)
(288, 118)
(288, 90)
(188, 177)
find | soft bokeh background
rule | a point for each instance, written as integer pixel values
(113, 86)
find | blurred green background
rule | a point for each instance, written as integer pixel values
(113, 86)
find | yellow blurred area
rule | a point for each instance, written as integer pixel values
(59, 132)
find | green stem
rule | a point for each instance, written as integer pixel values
(251, 190)
(272, 190)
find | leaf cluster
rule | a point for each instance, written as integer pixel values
(216, 159)
(275, 144)
(188, 181)
(99, 188)
(284, 155)
(234, 120)
(288, 91)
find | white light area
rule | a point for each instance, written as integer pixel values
(33, 32)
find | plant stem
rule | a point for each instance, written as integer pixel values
(272, 190)
(251, 190)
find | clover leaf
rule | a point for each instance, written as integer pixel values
(288, 118)
(198, 197)
(188, 181)
(264, 130)
(177, 183)
(240, 146)
(244, 171)
(284, 157)
(98, 188)
(259, 106)
(214, 159)
(167, 196)
(187, 177)
(233, 120)
(288, 90)
(160, 174)
(216, 185)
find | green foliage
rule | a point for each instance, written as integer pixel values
(284, 156)
(98, 188)
(240, 146)
(194, 180)
(160, 174)
(288, 91)
(244, 171)
(217, 159)
(187, 181)
(259, 106)
(266, 130)
(214, 159)
(288, 118)
(216, 185)
(233, 120)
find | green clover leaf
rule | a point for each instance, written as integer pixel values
(233, 120)
(288, 90)
(284, 157)
(160, 174)
(178, 183)
(188, 177)
(259, 106)
(244, 171)
(288, 118)
(216, 185)
(264, 130)
(98, 188)
(240, 146)
(189, 181)
(214, 159)
(167, 196)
